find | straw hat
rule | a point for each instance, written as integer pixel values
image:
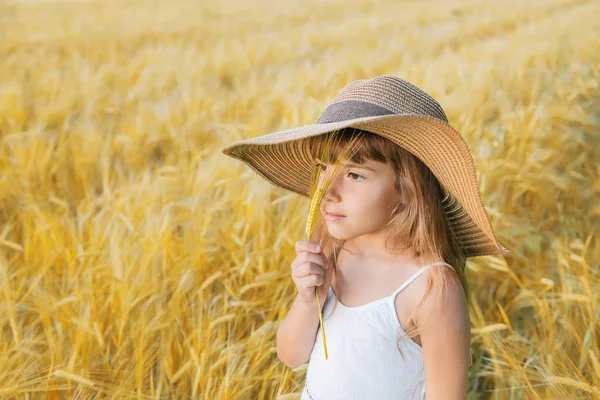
(401, 112)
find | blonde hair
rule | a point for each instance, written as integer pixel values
(418, 219)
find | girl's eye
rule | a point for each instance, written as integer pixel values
(319, 165)
(323, 167)
(355, 174)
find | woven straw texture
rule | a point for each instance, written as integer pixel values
(401, 112)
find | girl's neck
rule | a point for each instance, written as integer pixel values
(369, 247)
(363, 253)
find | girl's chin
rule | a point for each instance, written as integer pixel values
(339, 234)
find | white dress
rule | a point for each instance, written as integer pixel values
(363, 358)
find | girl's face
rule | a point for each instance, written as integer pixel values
(365, 196)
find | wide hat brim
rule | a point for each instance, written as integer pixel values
(284, 160)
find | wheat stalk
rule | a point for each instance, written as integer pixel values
(318, 191)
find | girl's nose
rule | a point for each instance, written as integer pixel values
(334, 189)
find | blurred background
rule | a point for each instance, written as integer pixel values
(137, 261)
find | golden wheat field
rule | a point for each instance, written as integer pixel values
(138, 261)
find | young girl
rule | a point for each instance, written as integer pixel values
(396, 225)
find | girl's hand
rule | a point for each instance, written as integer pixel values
(311, 269)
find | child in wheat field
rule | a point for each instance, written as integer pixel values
(395, 223)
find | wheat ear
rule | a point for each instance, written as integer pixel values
(314, 202)
(317, 196)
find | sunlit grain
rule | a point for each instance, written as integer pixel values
(137, 261)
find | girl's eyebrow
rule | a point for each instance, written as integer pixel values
(354, 165)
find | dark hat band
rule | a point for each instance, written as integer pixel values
(351, 109)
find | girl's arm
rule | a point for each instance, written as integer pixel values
(446, 341)
(297, 334)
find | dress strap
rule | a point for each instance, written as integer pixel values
(416, 275)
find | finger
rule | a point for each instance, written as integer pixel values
(304, 245)
(306, 257)
(308, 269)
(317, 280)
(300, 259)
(309, 282)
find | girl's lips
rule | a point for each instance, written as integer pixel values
(333, 217)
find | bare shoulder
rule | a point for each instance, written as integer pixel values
(412, 313)
(443, 296)
(444, 303)
(448, 356)
(426, 281)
